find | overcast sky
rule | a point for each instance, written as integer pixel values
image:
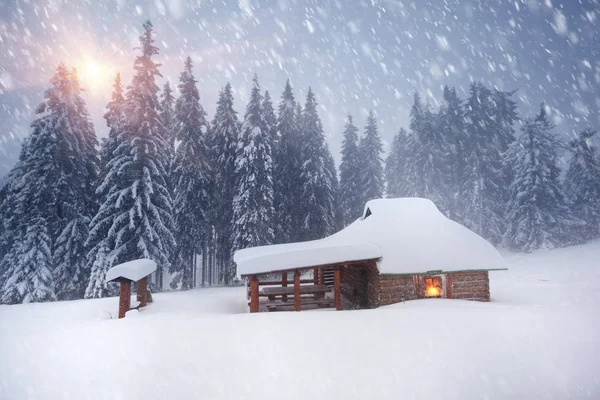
(356, 55)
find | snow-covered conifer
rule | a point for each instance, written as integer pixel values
(192, 177)
(582, 184)
(350, 174)
(370, 179)
(319, 217)
(537, 214)
(253, 199)
(224, 132)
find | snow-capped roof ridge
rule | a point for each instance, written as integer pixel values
(407, 235)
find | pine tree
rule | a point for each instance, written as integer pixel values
(29, 277)
(582, 184)
(253, 201)
(319, 217)
(432, 163)
(114, 121)
(192, 177)
(225, 130)
(51, 200)
(537, 213)
(286, 170)
(350, 175)
(270, 118)
(137, 212)
(98, 262)
(370, 179)
(167, 117)
(452, 128)
(483, 191)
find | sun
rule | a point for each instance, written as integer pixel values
(95, 75)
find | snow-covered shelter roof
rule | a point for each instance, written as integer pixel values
(406, 235)
(131, 270)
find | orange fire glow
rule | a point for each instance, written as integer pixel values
(433, 287)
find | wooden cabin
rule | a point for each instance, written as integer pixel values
(399, 250)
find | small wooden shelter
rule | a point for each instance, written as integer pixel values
(128, 272)
(400, 249)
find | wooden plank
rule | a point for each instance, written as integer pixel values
(278, 305)
(253, 294)
(284, 284)
(297, 304)
(304, 289)
(337, 295)
(280, 283)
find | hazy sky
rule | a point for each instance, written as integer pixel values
(356, 55)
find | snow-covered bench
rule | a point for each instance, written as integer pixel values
(132, 271)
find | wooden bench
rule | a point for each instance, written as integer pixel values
(305, 301)
(273, 292)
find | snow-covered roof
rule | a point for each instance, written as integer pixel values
(407, 235)
(132, 270)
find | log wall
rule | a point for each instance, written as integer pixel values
(470, 285)
(396, 288)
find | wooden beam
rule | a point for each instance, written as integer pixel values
(337, 264)
(321, 276)
(142, 291)
(316, 275)
(337, 295)
(253, 294)
(297, 305)
(284, 284)
(124, 298)
(279, 283)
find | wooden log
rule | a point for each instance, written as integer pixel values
(124, 298)
(284, 284)
(297, 303)
(337, 295)
(253, 294)
(142, 291)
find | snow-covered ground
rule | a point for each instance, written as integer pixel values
(538, 339)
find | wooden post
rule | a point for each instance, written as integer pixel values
(321, 276)
(253, 294)
(284, 284)
(337, 296)
(142, 291)
(297, 305)
(316, 275)
(124, 297)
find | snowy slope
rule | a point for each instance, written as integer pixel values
(537, 339)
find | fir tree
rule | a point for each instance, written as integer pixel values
(286, 170)
(537, 213)
(253, 201)
(167, 117)
(29, 278)
(225, 130)
(98, 262)
(317, 184)
(431, 162)
(192, 177)
(51, 198)
(350, 175)
(582, 184)
(270, 119)
(370, 178)
(483, 190)
(452, 128)
(137, 212)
